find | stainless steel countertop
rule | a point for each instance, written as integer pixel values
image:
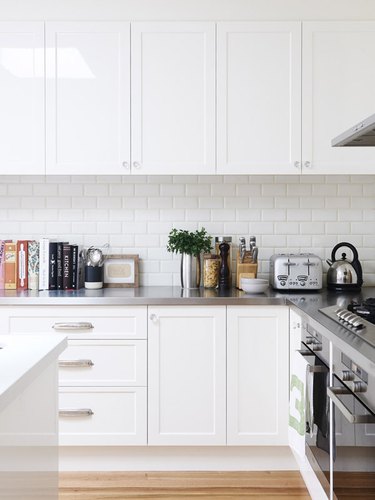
(153, 295)
(307, 303)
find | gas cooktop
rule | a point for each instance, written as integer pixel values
(358, 317)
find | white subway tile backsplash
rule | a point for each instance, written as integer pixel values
(261, 202)
(248, 190)
(185, 202)
(211, 202)
(172, 190)
(71, 215)
(250, 214)
(223, 189)
(287, 202)
(45, 189)
(59, 202)
(33, 202)
(236, 202)
(134, 214)
(97, 189)
(19, 189)
(273, 214)
(84, 202)
(112, 202)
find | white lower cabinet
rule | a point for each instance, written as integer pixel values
(102, 373)
(167, 375)
(187, 375)
(109, 416)
(257, 375)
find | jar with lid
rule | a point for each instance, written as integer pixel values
(211, 266)
(227, 239)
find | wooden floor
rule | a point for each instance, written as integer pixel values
(182, 486)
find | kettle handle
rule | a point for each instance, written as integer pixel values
(344, 244)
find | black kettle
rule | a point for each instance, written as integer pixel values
(343, 274)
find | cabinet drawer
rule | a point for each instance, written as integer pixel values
(110, 416)
(79, 322)
(104, 363)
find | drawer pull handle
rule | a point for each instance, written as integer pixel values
(82, 412)
(80, 325)
(75, 363)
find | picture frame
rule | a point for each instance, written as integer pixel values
(121, 271)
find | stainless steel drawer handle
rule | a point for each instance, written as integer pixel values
(350, 417)
(80, 412)
(73, 325)
(75, 363)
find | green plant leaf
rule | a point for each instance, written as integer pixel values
(183, 241)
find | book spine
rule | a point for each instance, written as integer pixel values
(81, 268)
(67, 267)
(59, 265)
(2, 259)
(10, 266)
(43, 263)
(74, 257)
(33, 265)
(22, 258)
(52, 266)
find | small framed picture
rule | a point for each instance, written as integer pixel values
(121, 271)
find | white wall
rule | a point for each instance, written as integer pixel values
(135, 214)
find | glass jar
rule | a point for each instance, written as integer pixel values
(211, 266)
(227, 239)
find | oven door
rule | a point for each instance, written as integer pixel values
(317, 429)
(353, 457)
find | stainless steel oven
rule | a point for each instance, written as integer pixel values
(351, 397)
(316, 350)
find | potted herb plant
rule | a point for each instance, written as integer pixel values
(190, 245)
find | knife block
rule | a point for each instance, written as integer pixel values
(246, 269)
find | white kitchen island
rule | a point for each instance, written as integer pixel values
(29, 416)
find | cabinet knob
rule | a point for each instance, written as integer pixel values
(126, 165)
(297, 164)
(307, 164)
(153, 317)
(136, 164)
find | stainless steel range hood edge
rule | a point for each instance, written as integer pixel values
(361, 135)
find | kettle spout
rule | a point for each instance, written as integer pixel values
(329, 262)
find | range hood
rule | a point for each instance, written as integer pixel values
(362, 134)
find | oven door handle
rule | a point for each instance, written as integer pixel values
(312, 368)
(353, 419)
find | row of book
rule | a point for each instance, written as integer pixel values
(40, 265)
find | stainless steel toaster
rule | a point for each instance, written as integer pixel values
(302, 271)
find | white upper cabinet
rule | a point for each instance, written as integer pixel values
(338, 91)
(258, 97)
(22, 98)
(88, 97)
(173, 98)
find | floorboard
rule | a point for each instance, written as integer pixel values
(182, 486)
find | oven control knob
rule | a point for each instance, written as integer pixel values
(309, 341)
(347, 375)
(358, 386)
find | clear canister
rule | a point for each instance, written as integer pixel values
(211, 267)
(227, 239)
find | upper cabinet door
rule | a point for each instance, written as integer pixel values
(338, 91)
(88, 97)
(173, 98)
(259, 97)
(22, 98)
